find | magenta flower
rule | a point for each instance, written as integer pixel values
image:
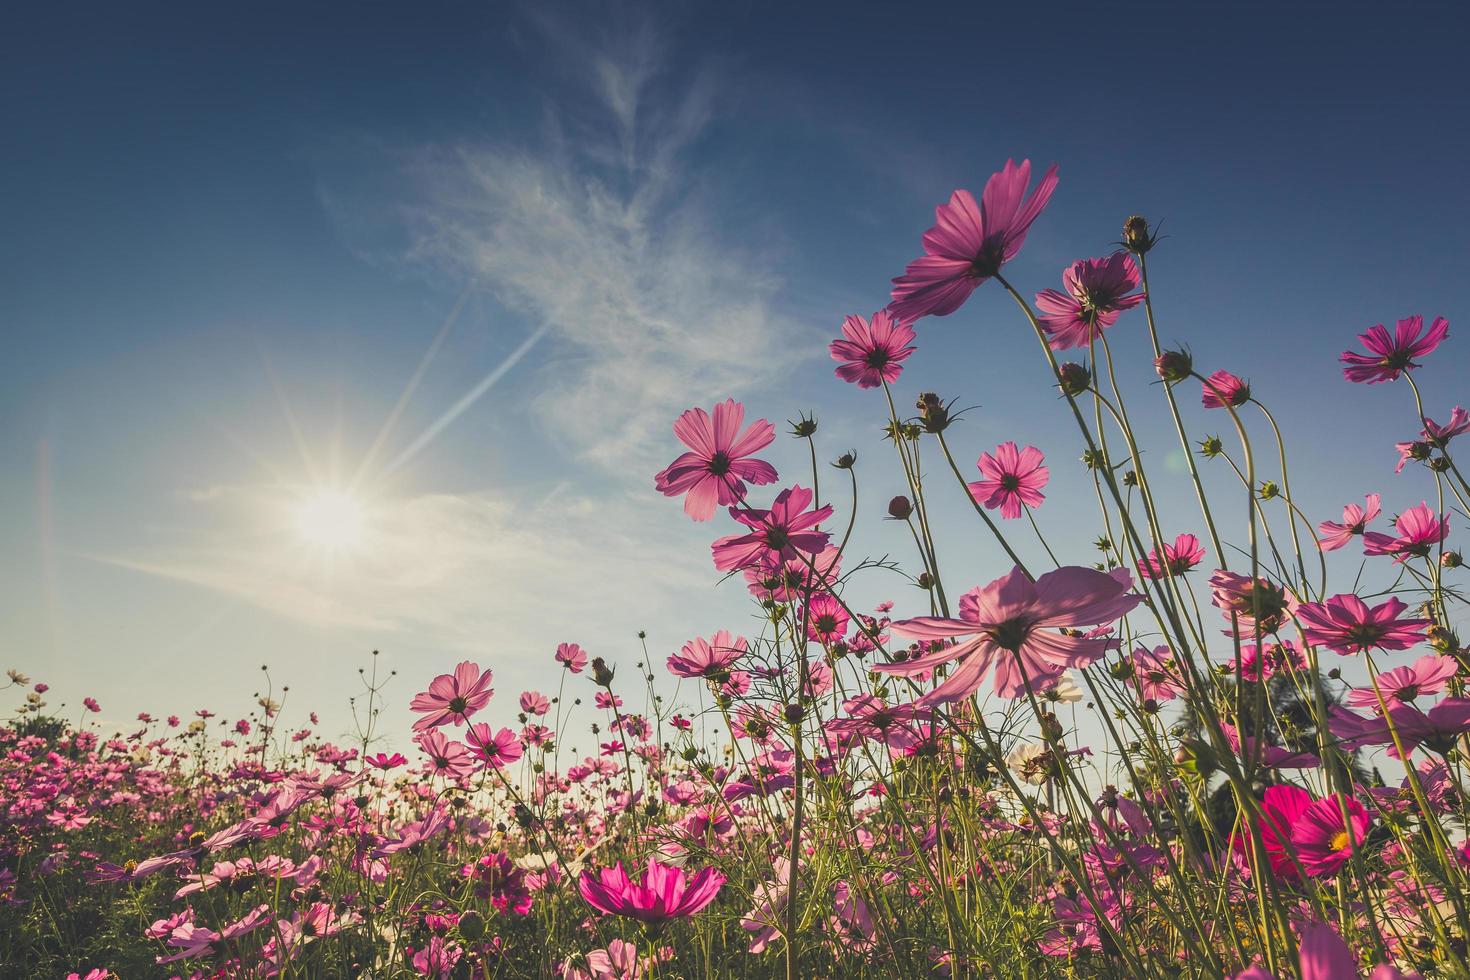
(1223, 388)
(968, 244)
(662, 895)
(1418, 530)
(710, 658)
(572, 657)
(1438, 728)
(1325, 842)
(1346, 624)
(1259, 606)
(796, 577)
(1156, 674)
(1179, 557)
(1097, 292)
(453, 697)
(872, 353)
(1281, 808)
(1440, 435)
(1387, 356)
(495, 749)
(1355, 520)
(715, 469)
(1403, 684)
(1256, 662)
(446, 758)
(826, 620)
(1009, 623)
(1324, 956)
(1013, 479)
(870, 717)
(780, 534)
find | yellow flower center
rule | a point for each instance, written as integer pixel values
(1342, 841)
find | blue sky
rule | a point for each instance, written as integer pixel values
(232, 236)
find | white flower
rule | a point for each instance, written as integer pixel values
(1031, 762)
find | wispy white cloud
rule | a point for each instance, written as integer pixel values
(601, 233)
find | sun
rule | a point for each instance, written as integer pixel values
(331, 520)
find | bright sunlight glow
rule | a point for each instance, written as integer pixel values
(331, 520)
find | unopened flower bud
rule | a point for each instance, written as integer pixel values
(1130, 478)
(925, 581)
(1073, 379)
(846, 460)
(1269, 490)
(602, 674)
(933, 412)
(803, 427)
(1174, 365)
(1451, 559)
(1196, 757)
(1211, 446)
(794, 713)
(1093, 459)
(1136, 237)
(900, 507)
(472, 925)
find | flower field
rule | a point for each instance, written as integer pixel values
(1171, 751)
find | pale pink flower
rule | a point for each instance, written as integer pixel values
(1355, 520)
(1010, 623)
(969, 243)
(1013, 478)
(1097, 292)
(453, 697)
(872, 353)
(715, 469)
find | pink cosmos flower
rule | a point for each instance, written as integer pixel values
(91, 705)
(1097, 292)
(1387, 356)
(446, 758)
(572, 657)
(777, 535)
(1156, 674)
(1267, 755)
(968, 244)
(1223, 388)
(1259, 605)
(1418, 530)
(1440, 435)
(793, 579)
(1255, 662)
(1323, 841)
(708, 658)
(1009, 622)
(870, 717)
(872, 353)
(1179, 557)
(535, 703)
(1013, 479)
(1403, 684)
(384, 761)
(1346, 624)
(1437, 728)
(715, 469)
(497, 749)
(453, 697)
(826, 620)
(1281, 809)
(1355, 520)
(663, 893)
(438, 958)
(1324, 956)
